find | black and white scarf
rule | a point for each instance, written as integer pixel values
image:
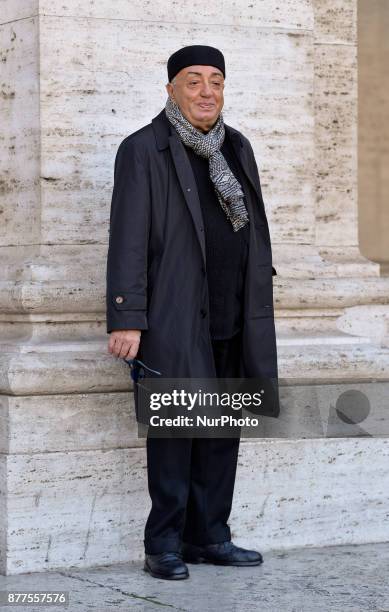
(228, 188)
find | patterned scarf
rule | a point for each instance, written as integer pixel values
(228, 189)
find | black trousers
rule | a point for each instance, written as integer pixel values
(191, 480)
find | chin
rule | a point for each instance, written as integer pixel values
(206, 116)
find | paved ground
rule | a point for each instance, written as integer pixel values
(307, 579)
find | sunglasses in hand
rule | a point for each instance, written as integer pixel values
(137, 368)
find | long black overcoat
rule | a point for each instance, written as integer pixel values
(156, 266)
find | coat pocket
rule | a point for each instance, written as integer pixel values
(261, 301)
(264, 252)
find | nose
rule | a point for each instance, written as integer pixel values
(206, 91)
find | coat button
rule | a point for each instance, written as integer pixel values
(119, 299)
(203, 313)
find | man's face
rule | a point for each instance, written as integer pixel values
(198, 91)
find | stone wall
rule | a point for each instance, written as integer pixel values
(77, 77)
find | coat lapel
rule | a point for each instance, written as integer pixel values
(242, 154)
(188, 186)
(167, 137)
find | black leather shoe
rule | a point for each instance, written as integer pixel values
(168, 565)
(224, 553)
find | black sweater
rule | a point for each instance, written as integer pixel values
(226, 250)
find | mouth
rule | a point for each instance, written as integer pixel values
(206, 106)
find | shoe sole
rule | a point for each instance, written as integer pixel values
(147, 569)
(197, 560)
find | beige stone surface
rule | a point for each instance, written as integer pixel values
(74, 508)
(290, 13)
(77, 77)
(12, 11)
(293, 491)
(288, 493)
(373, 104)
(65, 423)
(3, 507)
(19, 133)
(111, 90)
(336, 144)
(335, 21)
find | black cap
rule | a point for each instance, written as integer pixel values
(195, 55)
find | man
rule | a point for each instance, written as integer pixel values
(189, 292)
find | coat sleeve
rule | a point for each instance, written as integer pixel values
(256, 175)
(126, 267)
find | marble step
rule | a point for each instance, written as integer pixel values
(87, 367)
(56, 297)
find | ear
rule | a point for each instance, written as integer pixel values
(170, 89)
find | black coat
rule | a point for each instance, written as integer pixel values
(156, 274)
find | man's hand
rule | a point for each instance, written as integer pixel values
(124, 343)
